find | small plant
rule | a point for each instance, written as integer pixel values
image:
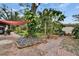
(57, 28)
(75, 32)
(24, 33)
(21, 31)
(60, 32)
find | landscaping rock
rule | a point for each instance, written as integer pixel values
(23, 42)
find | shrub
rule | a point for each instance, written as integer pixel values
(21, 32)
(75, 32)
(57, 28)
(59, 32)
(24, 33)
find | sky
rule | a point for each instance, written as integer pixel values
(68, 9)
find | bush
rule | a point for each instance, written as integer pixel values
(39, 35)
(57, 28)
(21, 32)
(18, 30)
(75, 32)
(59, 32)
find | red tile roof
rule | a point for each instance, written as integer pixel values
(14, 23)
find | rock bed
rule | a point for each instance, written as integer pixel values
(23, 42)
(52, 47)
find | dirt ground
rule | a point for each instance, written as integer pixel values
(52, 47)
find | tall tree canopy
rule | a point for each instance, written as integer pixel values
(48, 17)
(76, 17)
(32, 6)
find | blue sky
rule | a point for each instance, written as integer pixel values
(68, 9)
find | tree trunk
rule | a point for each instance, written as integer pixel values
(34, 7)
(45, 29)
(51, 29)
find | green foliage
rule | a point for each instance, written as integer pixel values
(76, 17)
(32, 26)
(45, 22)
(75, 32)
(57, 28)
(24, 33)
(57, 25)
(21, 32)
(8, 14)
(49, 20)
(18, 29)
(39, 34)
(59, 32)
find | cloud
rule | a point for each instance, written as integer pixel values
(21, 8)
(64, 5)
(77, 7)
(14, 9)
(21, 15)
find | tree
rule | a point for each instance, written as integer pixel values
(48, 17)
(75, 31)
(8, 14)
(57, 16)
(76, 17)
(44, 19)
(32, 6)
(32, 27)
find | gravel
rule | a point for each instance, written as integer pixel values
(23, 42)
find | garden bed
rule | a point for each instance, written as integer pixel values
(25, 42)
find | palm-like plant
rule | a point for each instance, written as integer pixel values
(57, 16)
(48, 16)
(29, 15)
(8, 14)
(44, 17)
